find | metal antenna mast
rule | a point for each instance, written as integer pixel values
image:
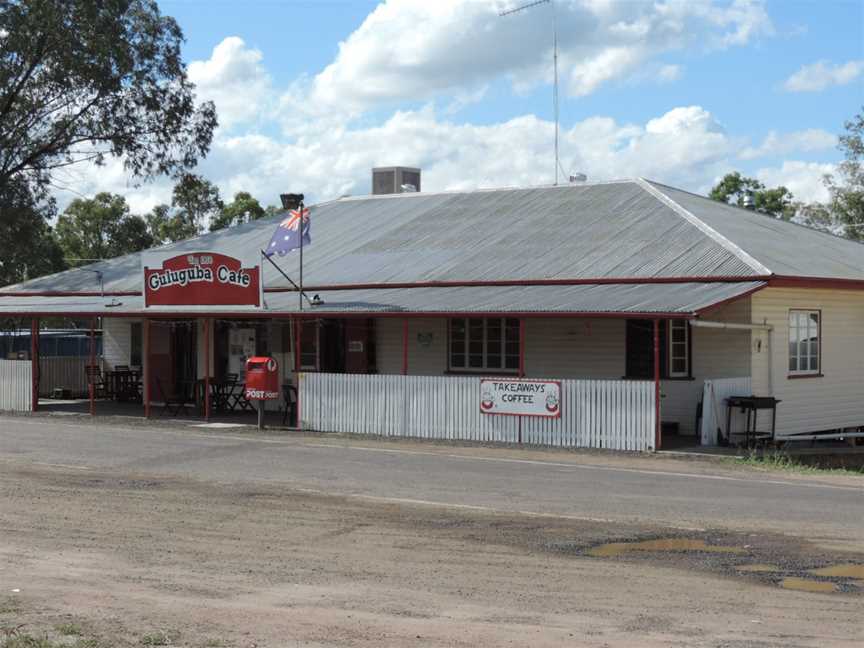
(554, 65)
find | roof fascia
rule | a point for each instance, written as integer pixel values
(784, 281)
(598, 281)
(316, 314)
(718, 304)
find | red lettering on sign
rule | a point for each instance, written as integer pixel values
(202, 279)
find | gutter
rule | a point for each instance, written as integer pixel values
(697, 323)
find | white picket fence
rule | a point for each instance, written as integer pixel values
(611, 414)
(15, 385)
(65, 372)
(714, 395)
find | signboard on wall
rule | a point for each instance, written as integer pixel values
(201, 279)
(517, 397)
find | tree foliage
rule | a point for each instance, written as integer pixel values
(29, 248)
(80, 80)
(734, 189)
(847, 190)
(100, 228)
(195, 200)
(243, 209)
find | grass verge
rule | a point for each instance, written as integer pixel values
(780, 461)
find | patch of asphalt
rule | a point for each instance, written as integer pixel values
(732, 555)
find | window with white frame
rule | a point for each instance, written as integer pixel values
(804, 342)
(679, 347)
(484, 343)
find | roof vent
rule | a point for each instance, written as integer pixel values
(390, 180)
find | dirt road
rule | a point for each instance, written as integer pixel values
(133, 557)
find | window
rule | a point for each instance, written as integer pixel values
(804, 342)
(482, 343)
(674, 349)
(679, 358)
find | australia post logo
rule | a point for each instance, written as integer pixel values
(202, 279)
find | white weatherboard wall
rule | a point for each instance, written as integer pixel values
(575, 348)
(117, 341)
(612, 414)
(15, 385)
(427, 357)
(584, 348)
(716, 354)
(833, 400)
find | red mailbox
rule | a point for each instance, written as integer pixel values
(262, 379)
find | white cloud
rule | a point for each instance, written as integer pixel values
(685, 147)
(803, 179)
(419, 50)
(669, 73)
(234, 79)
(812, 139)
(452, 50)
(823, 74)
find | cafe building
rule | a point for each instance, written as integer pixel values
(619, 314)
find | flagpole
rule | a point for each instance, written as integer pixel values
(300, 228)
(291, 281)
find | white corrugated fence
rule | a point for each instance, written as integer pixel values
(15, 385)
(714, 395)
(612, 414)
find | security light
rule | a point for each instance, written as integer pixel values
(291, 201)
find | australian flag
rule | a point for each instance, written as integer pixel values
(286, 238)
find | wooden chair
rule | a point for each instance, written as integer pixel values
(172, 405)
(235, 396)
(122, 384)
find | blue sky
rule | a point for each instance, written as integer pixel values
(311, 94)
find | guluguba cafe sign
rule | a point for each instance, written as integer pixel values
(202, 279)
(518, 397)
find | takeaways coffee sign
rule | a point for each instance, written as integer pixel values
(518, 397)
(202, 279)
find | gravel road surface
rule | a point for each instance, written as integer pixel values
(207, 537)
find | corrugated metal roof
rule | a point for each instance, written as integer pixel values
(615, 230)
(611, 230)
(785, 248)
(684, 298)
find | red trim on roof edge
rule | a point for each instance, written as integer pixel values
(527, 282)
(776, 281)
(782, 281)
(429, 284)
(60, 293)
(723, 302)
(367, 314)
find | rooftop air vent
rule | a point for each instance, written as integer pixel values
(390, 180)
